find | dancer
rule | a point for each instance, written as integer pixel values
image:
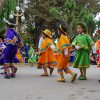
(12, 41)
(64, 49)
(32, 57)
(83, 43)
(47, 57)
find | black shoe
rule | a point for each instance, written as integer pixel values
(2, 73)
(39, 67)
(7, 76)
(5, 73)
(13, 75)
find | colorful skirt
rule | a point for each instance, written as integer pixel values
(9, 53)
(82, 59)
(32, 59)
(47, 58)
(62, 61)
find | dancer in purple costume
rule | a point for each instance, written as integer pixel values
(12, 41)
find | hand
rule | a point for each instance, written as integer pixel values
(65, 53)
(38, 53)
(77, 47)
(20, 44)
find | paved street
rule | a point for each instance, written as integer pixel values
(28, 85)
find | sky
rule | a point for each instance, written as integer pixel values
(97, 17)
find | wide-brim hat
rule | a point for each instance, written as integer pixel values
(47, 32)
(63, 28)
(10, 23)
(83, 25)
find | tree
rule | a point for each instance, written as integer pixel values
(49, 13)
(38, 16)
(7, 7)
(1, 4)
(73, 11)
(91, 5)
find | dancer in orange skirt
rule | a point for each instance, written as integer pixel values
(98, 49)
(19, 56)
(98, 52)
(64, 49)
(47, 57)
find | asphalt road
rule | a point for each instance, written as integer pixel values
(29, 85)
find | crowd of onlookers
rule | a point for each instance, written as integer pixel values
(27, 54)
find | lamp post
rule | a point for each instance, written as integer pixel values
(19, 14)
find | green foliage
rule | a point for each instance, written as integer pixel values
(47, 11)
(88, 18)
(70, 4)
(8, 6)
(26, 38)
(91, 24)
(72, 12)
(83, 13)
(55, 12)
(68, 11)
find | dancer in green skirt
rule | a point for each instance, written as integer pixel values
(32, 57)
(83, 44)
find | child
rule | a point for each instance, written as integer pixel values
(2, 47)
(31, 53)
(64, 50)
(47, 58)
(98, 52)
(83, 44)
(12, 41)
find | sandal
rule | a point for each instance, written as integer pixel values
(79, 78)
(44, 74)
(98, 66)
(74, 78)
(61, 80)
(82, 78)
(12, 75)
(99, 81)
(7, 76)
